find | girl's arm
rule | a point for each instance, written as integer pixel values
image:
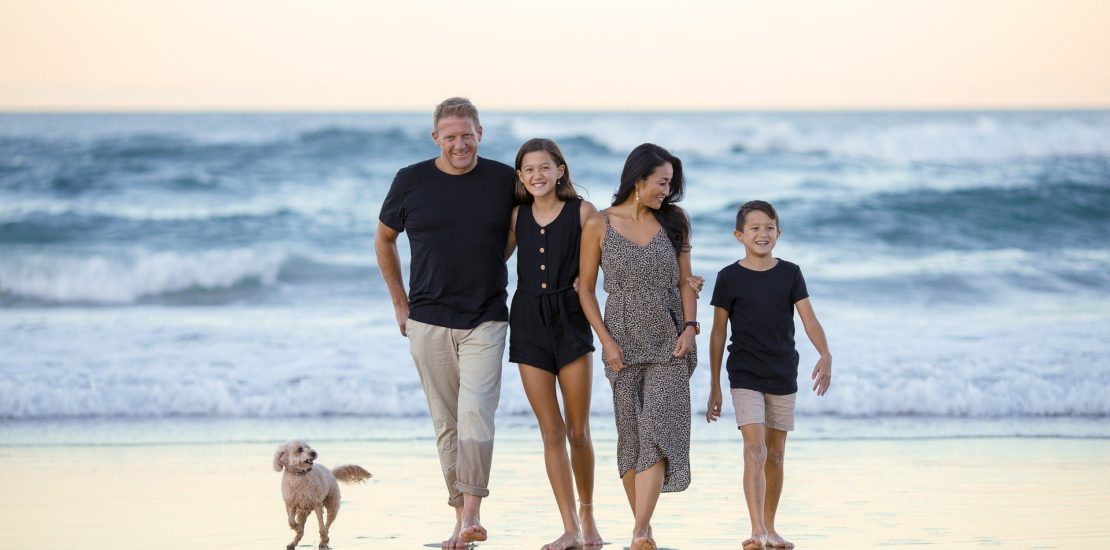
(822, 372)
(510, 242)
(716, 354)
(589, 260)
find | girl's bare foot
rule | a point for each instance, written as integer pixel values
(590, 536)
(565, 542)
(774, 539)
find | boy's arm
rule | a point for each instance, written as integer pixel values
(716, 353)
(822, 372)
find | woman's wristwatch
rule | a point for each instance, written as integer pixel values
(696, 325)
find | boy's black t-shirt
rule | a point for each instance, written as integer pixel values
(760, 304)
(457, 228)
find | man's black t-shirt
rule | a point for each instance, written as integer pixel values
(457, 228)
(760, 304)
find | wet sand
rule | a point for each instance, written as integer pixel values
(186, 492)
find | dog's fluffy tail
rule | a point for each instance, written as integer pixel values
(350, 473)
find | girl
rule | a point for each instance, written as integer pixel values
(549, 336)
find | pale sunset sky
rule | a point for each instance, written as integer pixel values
(571, 54)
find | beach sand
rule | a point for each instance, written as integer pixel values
(209, 484)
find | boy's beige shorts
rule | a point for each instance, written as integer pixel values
(774, 411)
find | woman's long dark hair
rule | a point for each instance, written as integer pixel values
(564, 187)
(641, 162)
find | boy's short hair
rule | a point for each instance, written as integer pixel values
(455, 106)
(752, 206)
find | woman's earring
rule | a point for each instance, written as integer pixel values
(637, 196)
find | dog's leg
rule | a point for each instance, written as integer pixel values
(323, 528)
(292, 515)
(302, 517)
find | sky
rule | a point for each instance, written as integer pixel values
(567, 55)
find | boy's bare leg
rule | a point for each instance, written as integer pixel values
(755, 483)
(773, 472)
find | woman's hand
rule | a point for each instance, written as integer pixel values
(713, 408)
(685, 343)
(613, 355)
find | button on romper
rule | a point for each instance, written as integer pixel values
(651, 395)
(547, 328)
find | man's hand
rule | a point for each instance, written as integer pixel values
(401, 313)
(696, 283)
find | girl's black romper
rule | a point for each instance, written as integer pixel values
(547, 328)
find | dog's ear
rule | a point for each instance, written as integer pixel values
(279, 459)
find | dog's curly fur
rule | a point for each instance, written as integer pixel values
(308, 487)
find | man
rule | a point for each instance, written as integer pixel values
(456, 209)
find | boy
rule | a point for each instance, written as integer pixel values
(758, 296)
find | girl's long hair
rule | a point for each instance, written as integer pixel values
(641, 162)
(564, 187)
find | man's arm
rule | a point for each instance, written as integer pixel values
(389, 263)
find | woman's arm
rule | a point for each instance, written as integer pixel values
(589, 260)
(685, 343)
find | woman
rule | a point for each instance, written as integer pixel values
(548, 335)
(642, 242)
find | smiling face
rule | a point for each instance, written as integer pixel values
(758, 234)
(539, 173)
(458, 139)
(656, 187)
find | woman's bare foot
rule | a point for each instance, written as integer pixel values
(565, 542)
(590, 536)
(754, 542)
(775, 540)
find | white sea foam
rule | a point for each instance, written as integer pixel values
(895, 137)
(127, 277)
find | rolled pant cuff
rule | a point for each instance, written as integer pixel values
(472, 489)
(455, 501)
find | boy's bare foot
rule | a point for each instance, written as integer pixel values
(565, 542)
(754, 542)
(590, 536)
(775, 540)
(643, 543)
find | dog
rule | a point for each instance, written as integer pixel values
(308, 487)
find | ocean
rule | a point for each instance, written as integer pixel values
(220, 266)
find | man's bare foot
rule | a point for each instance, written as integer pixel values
(565, 542)
(473, 533)
(754, 542)
(590, 536)
(643, 543)
(455, 541)
(775, 540)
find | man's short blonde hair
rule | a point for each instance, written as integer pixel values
(458, 107)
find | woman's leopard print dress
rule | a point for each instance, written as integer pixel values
(651, 395)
